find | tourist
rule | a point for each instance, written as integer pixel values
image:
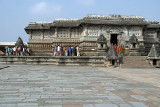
(115, 47)
(11, 50)
(61, 50)
(123, 49)
(58, 50)
(74, 51)
(55, 51)
(8, 51)
(66, 52)
(21, 51)
(14, 51)
(17, 51)
(28, 51)
(121, 53)
(118, 50)
(70, 50)
(64, 49)
(77, 48)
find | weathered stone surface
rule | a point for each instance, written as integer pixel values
(78, 86)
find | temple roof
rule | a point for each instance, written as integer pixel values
(153, 52)
(35, 25)
(112, 53)
(101, 38)
(94, 19)
(65, 24)
(133, 39)
(19, 42)
(153, 26)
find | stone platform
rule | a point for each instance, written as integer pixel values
(54, 60)
(78, 86)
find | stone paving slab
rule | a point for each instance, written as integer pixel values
(78, 86)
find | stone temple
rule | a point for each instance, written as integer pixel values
(94, 34)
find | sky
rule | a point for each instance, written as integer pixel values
(16, 14)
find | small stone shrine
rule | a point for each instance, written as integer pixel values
(153, 57)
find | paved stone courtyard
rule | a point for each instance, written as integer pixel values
(78, 86)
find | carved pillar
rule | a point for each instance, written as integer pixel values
(108, 38)
(86, 31)
(69, 32)
(56, 33)
(43, 34)
(120, 37)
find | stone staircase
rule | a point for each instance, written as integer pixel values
(135, 62)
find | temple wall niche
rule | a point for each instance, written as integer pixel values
(37, 34)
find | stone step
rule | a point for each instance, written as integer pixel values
(135, 62)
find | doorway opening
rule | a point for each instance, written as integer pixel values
(114, 39)
(154, 62)
(113, 62)
(101, 45)
(134, 45)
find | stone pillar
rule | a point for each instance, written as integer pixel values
(43, 34)
(104, 46)
(120, 38)
(86, 31)
(108, 38)
(56, 33)
(6, 47)
(69, 32)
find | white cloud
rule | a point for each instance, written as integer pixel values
(86, 2)
(44, 8)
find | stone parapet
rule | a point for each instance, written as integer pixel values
(74, 60)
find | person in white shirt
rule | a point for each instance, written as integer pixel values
(77, 49)
(58, 50)
(14, 51)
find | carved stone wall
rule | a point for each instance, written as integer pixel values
(63, 33)
(40, 47)
(48, 34)
(94, 31)
(37, 34)
(76, 33)
(136, 30)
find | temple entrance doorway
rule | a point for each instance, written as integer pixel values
(154, 62)
(114, 39)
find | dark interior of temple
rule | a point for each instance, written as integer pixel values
(114, 39)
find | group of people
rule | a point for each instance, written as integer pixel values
(18, 51)
(120, 50)
(66, 51)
